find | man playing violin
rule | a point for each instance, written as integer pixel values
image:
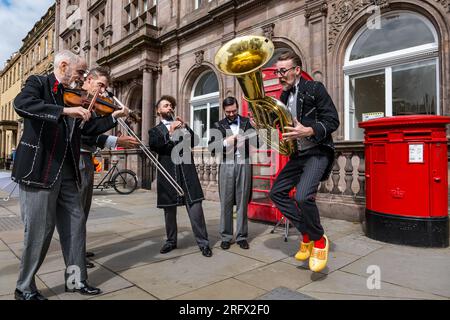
(98, 79)
(46, 168)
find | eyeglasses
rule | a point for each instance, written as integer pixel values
(282, 72)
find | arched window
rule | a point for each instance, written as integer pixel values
(392, 70)
(204, 105)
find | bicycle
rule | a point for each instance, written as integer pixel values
(123, 181)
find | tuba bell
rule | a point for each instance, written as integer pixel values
(243, 57)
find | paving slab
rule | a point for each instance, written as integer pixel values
(183, 274)
(356, 244)
(97, 241)
(54, 247)
(340, 282)
(133, 293)
(146, 233)
(116, 226)
(229, 289)
(336, 296)
(342, 226)
(267, 248)
(52, 263)
(9, 266)
(106, 280)
(282, 293)
(130, 254)
(3, 246)
(277, 274)
(416, 268)
(14, 236)
(336, 260)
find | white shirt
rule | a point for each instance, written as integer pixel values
(292, 100)
(235, 129)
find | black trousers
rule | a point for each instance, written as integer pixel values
(303, 172)
(197, 218)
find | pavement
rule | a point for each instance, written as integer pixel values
(126, 233)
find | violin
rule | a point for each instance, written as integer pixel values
(102, 106)
(79, 97)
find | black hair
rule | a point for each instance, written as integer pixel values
(168, 98)
(229, 101)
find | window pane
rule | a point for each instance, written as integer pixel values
(207, 84)
(400, 31)
(368, 95)
(200, 125)
(414, 88)
(213, 116)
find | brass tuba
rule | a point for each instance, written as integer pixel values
(243, 57)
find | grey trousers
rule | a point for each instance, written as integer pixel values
(197, 218)
(234, 188)
(41, 210)
(87, 181)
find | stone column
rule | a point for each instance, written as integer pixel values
(1, 144)
(316, 14)
(147, 102)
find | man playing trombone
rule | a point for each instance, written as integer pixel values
(97, 79)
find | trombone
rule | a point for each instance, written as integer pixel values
(146, 151)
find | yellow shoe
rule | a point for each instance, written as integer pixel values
(319, 257)
(305, 250)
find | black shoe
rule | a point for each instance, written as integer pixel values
(89, 254)
(90, 265)
(225, 245)
(243, 244)
(167, 247)
(85, 288)
(19, 295)
(206, 251)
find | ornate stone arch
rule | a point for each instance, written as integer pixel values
(282, 42)
(133, 102)
(357, 18)
(188, 84)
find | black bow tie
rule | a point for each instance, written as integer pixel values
(235, 121)
(292, 90)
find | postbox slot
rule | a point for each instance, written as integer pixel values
(417, 135)
(378, 135)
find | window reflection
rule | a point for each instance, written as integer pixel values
(397, 32)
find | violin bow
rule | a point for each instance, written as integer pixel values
(91, 106)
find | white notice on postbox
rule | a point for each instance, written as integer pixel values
(416, 153)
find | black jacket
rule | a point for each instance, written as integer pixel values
(91, 143)
(215, 144)
(184, 173)
(46, 143)
(316, 109)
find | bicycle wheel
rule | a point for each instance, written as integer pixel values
(125, 181)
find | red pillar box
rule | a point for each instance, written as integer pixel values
(406, 180)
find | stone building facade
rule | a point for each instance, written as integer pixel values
(387, 57)
(34, 57)
(10, 84)
(38, 46)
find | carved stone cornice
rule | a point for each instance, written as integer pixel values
(108, 31)
(316, 10)
(268, 30)
(174, 63)
(343, 11)
(87, 45)
(199, 57)
(445, 4)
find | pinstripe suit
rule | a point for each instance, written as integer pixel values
(311, 163)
